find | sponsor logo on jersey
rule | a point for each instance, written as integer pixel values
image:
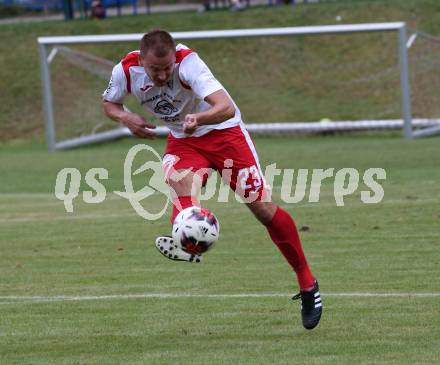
(146, 88)
(164, 107)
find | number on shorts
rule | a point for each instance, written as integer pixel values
(243, 177)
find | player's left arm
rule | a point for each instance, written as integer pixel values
(222, 109)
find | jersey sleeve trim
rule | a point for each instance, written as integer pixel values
(132, 59)
(180, 55)
(117, 86)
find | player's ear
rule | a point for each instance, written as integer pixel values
(141, 59)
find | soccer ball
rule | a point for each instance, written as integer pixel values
(196, 230)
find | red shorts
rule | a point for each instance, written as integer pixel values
(229, 151)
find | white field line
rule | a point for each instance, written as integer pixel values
(110, 195)
(35, 217)
(27, 195)
(52, 299)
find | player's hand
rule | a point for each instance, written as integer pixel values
(190, 124)
(138, 125)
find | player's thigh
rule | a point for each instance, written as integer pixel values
(237, 161)
(185, 182)
(184, 167)
(239, 166)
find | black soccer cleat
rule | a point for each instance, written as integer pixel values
(167, 247)
(311, 306)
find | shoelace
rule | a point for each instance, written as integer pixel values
(307, 302)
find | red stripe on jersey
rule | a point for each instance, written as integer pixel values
(132, 59)
(180, 55)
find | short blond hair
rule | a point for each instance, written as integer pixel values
(158, 41)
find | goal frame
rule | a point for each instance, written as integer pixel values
(48, 50)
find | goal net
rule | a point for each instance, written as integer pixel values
(424, 66)
(284, 80)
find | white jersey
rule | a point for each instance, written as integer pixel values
(183, 94)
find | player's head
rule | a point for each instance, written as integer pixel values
(157, 56)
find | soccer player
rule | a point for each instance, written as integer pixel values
(206, 132)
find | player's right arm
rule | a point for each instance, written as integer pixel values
(199, 78)
(113, 108)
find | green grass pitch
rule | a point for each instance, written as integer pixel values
(103, 257)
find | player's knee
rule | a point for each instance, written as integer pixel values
(264, 212)
(185, 183)
(181, 187)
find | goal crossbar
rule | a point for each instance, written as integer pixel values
(230, 33)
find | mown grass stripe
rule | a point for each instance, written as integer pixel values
(42, 299)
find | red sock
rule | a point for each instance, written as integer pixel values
(181, 203)
(284, 234)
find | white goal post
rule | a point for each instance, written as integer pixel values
(48, 48)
